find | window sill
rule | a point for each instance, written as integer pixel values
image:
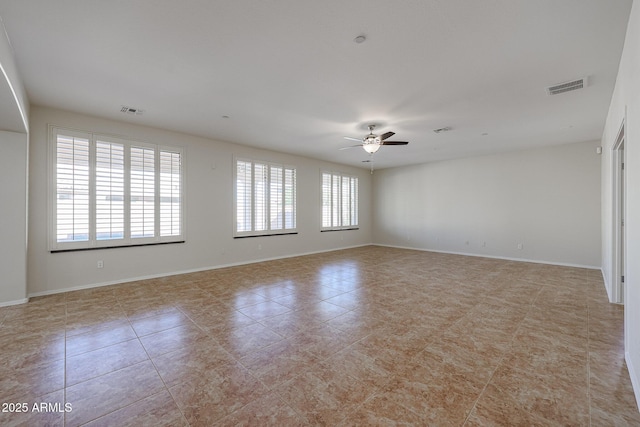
(339, 229)
(95, 248)
(264, 235)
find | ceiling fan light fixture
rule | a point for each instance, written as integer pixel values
(371, 147)
(371, 143)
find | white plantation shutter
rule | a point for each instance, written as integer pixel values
(339, 201)
(72, 188)
(170, 193)
(265, 198)
(244, 206)
(260, 189)
(354, 200)
(346, 199)
(143, 202)
(289, 199)
(112, 192)
(335, 201)
(109, 198)
(326, 200)
(276, 198)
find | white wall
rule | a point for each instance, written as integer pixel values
(548, 199)
(625, 97)
(13, 178)
(13, 217)
(209, 212)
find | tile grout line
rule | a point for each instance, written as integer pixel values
(234, 358)
(154, 365)
(504, 355)
(116, 370)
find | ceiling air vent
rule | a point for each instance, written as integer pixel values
(131, 110)
(567, 86)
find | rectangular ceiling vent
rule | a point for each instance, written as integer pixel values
(567, 86)
(131, 110)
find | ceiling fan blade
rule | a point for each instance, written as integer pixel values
(394, 142)
(386, 135)
(353, 139)
(351, 146)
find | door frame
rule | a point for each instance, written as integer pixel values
(619, 214)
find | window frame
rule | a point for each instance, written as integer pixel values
(127, 240)
(268, 231)
(354, 209)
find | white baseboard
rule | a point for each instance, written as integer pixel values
(562, 264)
(608, 287)
(175, 273)
(635, 379)
(606, 284)
(16, 302)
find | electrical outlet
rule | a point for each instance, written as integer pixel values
(259, 247)
(100, 264)
(520, 246)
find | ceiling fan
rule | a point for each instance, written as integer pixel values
(372, 143)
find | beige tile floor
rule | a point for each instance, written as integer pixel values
(365, 336)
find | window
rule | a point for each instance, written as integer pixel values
(265, 198)
(339, 201)
(113, 192)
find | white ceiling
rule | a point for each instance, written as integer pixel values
(290, 77)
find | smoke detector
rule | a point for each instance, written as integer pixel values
(360, 39)
(567, 86)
